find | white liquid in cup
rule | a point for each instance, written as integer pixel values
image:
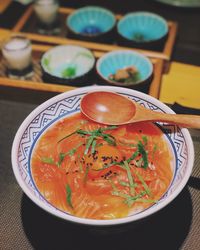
(17, 52)
(46, 11)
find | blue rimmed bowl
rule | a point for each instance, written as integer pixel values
(111, 62)
(142, 30)
(67, 64)
(91, 23)
(66, 104)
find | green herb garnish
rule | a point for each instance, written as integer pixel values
(138, 37)
(143, 152)
(146, 188)
(69, 72)
(48, 160)
(71, 152)
(130, 178)
(69, 195)
(89, 143)
(131, 199)
(46, 62)
(154, 150)
(93, 136)
(124, 184)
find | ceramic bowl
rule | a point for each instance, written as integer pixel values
(63, 105)
(142, 30)
(110, 62)
(91, 23)
(67, 64)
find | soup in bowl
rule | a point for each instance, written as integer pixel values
(95, 174)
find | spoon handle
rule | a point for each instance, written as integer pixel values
(188, 121)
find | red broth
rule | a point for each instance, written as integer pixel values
(101, 172)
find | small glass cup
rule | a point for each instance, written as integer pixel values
(47, 16)
(17, 52)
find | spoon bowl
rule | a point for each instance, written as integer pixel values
(113, 109)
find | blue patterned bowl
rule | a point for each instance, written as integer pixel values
(67, 64)
(91, 23)
(110, 62)
(142, 29)
(54, 110)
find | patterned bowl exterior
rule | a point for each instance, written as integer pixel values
(148, 25)
(102, 20)
(68, 103)
(112, 61)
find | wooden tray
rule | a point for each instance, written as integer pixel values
(36, 82)
(27, 25)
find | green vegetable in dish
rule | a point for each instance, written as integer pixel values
(127, 75)
(69, 72)
(138, 37)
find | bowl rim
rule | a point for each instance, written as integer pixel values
(134, 53)
(147, 13)
(67, 46)
(93, 222)
(92, 7)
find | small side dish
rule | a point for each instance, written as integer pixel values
(128, 75)
(67, 64)
(125, 68)
(91, 23)
(142, 30)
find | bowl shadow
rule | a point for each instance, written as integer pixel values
(165, 230)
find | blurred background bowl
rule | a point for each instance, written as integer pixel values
(92, 23)
(67, 64)
(111, 62)
(143, 30)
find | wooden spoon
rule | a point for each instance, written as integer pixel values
(114, 109)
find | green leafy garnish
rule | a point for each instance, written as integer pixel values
(94, 143)
(154, 150)
(69, 72)
(46, 62)
(145, 140)
(71, 152)
(69, 196)
(124, 184)
(130, 178)
(48, 160)
(131, 199)
(120, 194)
(143, 152)
(61, 158)
(138, 37)
(62, 139)
(93, 136)
(146, 188)
(89, 143)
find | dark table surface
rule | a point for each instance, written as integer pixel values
(23, 225)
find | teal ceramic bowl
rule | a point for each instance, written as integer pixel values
(111, 62)
(91, 23)
(67, 64)
(142, 30)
